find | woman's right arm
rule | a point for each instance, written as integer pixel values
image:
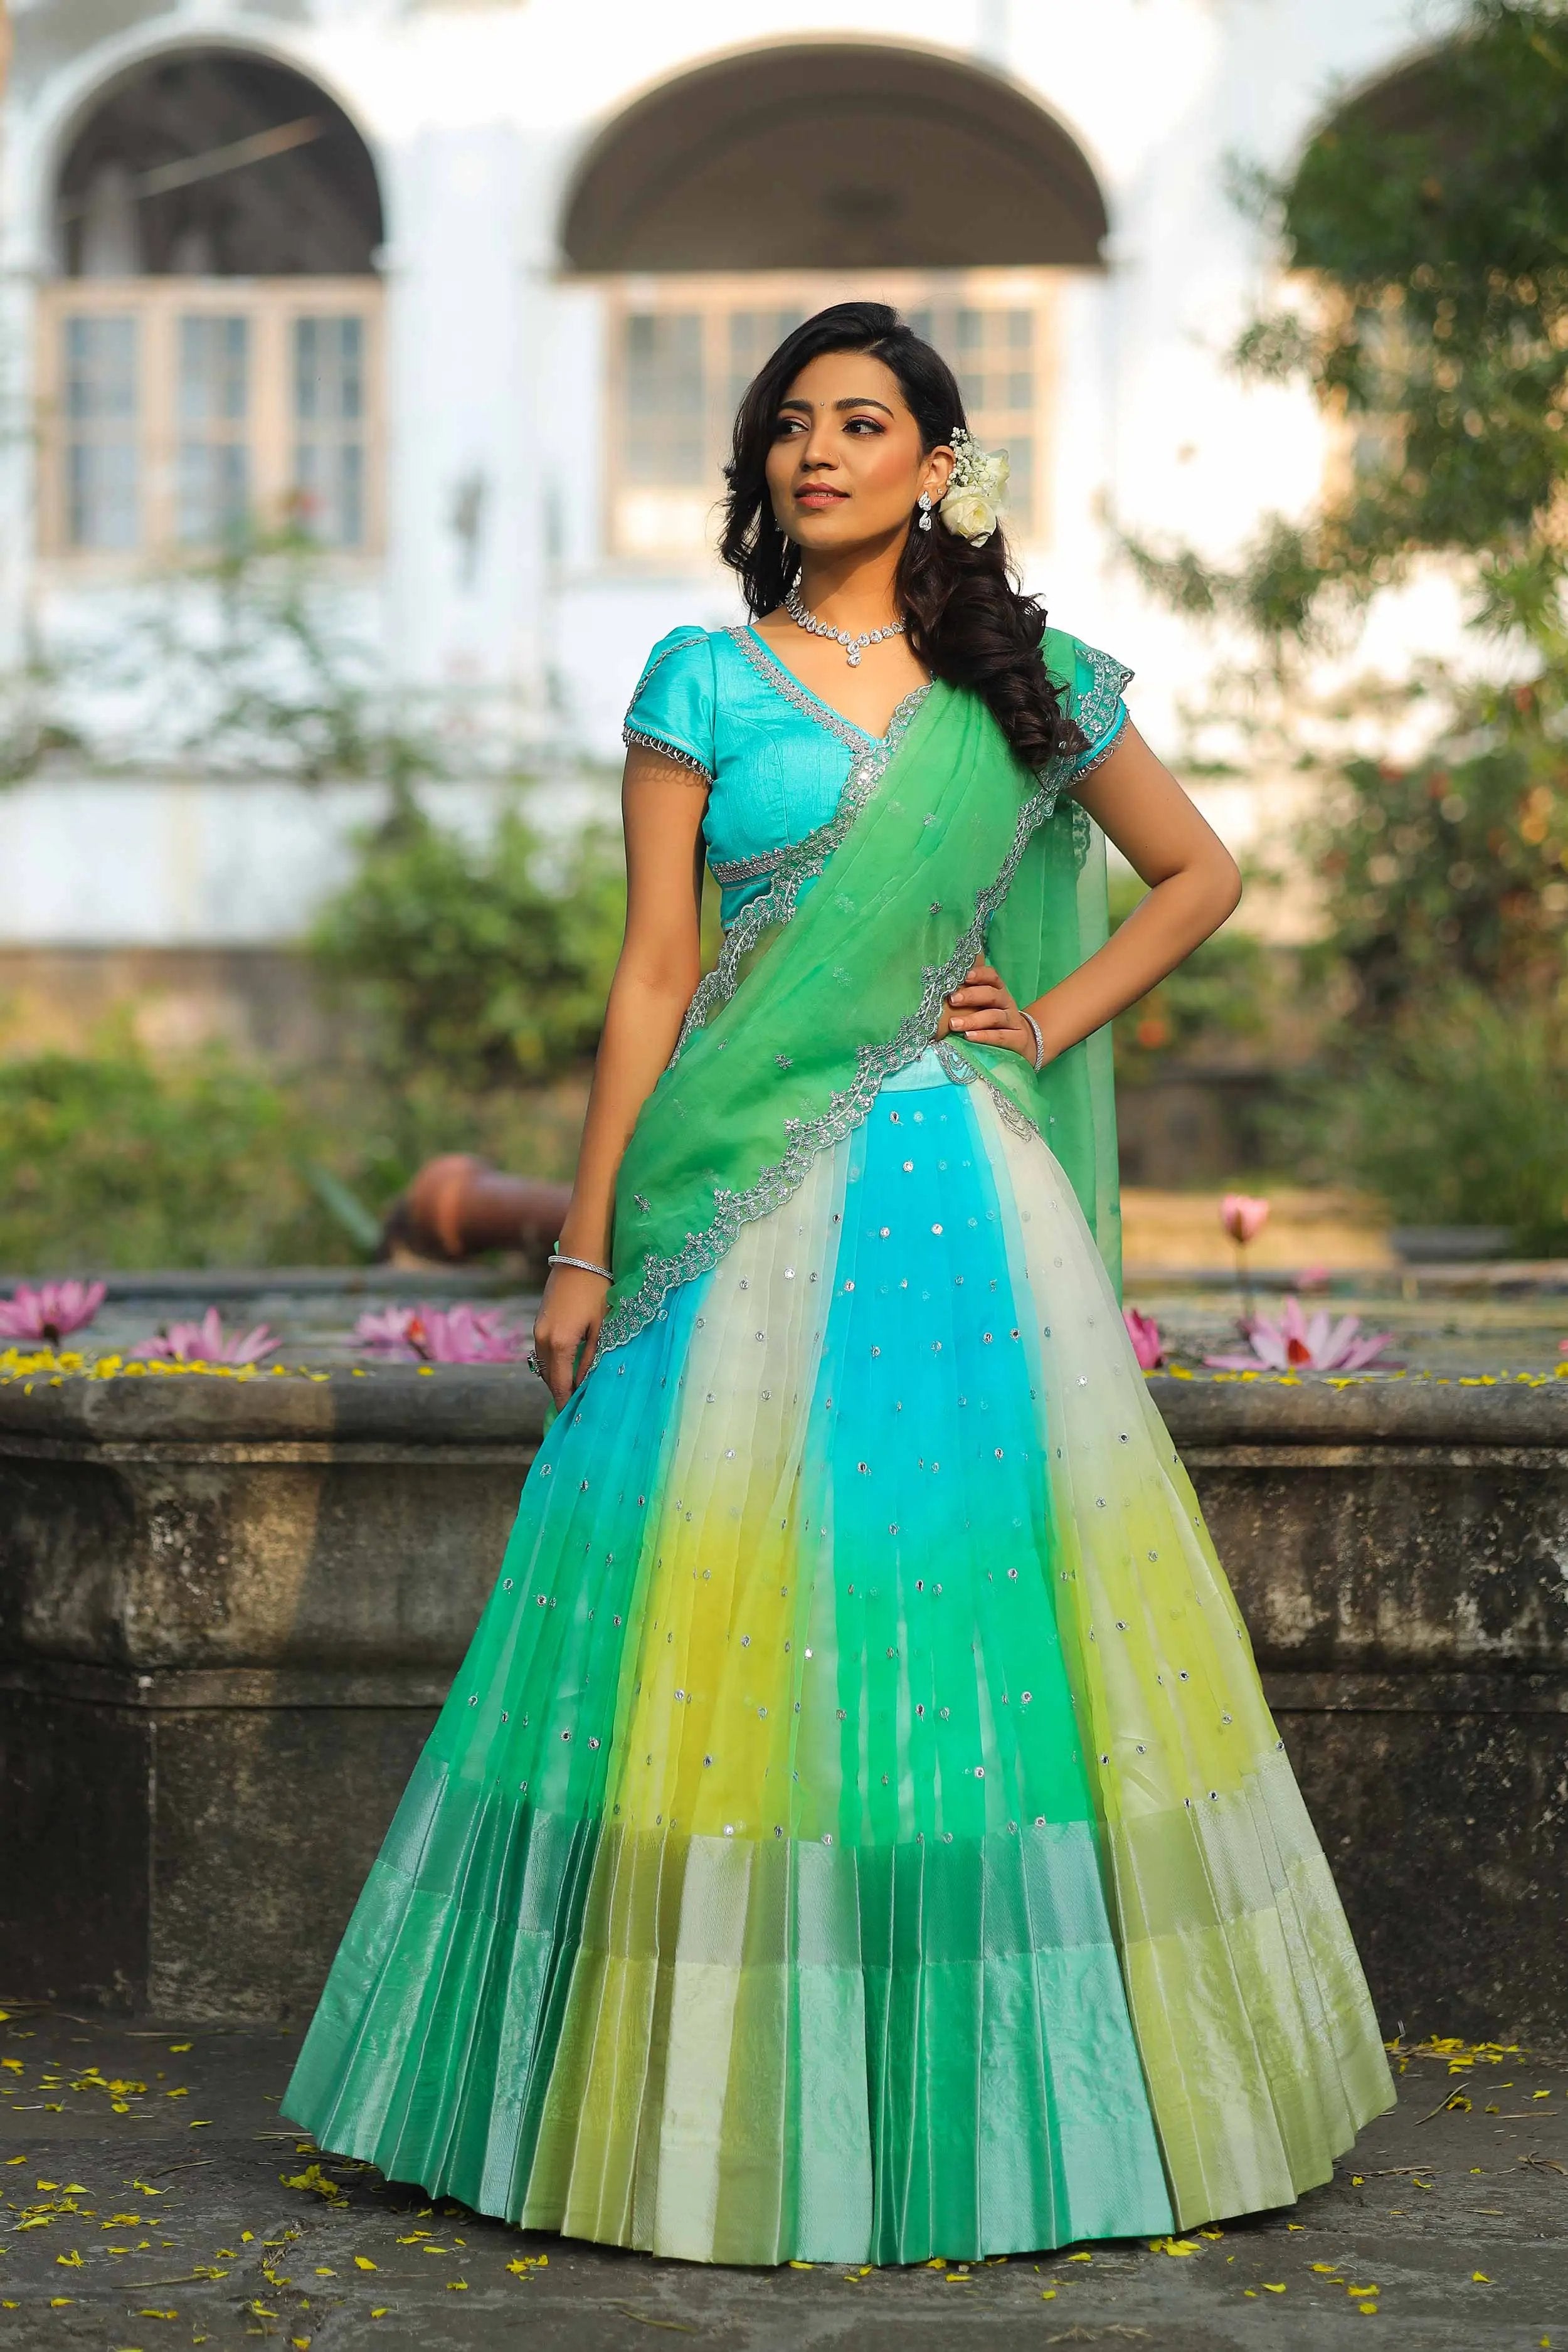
(656, 975)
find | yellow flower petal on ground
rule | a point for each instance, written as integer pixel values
(380, 2311)
(363, 2263)
(72, 2260)
(456, 2287)
(1080, 2258)
(1270, 2287)
(1479, 2278)
(1173, 2246)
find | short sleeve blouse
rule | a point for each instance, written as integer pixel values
(719, 703)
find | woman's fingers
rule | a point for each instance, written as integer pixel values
(564, 1357)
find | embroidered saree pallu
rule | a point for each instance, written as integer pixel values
(857, 1831)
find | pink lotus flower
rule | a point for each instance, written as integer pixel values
(1144, 1334)
(207, 1342)
(1243, 1217)
(50, 1311)
(1299, 1343)
(441, 1335)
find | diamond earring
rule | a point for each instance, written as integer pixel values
(925, 509)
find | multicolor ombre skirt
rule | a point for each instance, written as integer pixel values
(857, 1832)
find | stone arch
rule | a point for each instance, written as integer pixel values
(215, 161)
(1404, 93)
(834, 155)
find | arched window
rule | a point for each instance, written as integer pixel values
(210, 354)
(737, 198)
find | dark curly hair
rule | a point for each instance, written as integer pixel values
(967, 622)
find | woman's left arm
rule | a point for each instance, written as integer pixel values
(1193, 885)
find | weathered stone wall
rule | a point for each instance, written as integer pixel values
(228, 1612)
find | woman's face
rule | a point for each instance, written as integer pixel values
(845, 466)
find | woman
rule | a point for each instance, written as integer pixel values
(857, 1832)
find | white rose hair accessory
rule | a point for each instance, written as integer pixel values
(972, 508)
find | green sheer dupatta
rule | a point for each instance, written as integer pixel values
(834, 978)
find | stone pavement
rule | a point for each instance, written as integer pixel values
(153, 2199)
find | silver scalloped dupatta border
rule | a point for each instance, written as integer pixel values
(874, 1062)
(797, 865)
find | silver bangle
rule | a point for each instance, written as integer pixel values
(1040, 1042)
(559, 1257)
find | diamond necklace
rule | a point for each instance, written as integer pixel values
(853, 647)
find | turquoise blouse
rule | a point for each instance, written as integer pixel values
(776, 759)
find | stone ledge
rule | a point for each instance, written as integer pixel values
(229, 1609)
(461, 1405)
(472, 1405)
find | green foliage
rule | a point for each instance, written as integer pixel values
(1453, 866)
(473, 962)
(1462, 1118)
(108, 1162)
(1219, 999)
(1432, 216)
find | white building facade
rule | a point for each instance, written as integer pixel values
(463, 291)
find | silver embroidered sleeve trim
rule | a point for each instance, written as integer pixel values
(1101, 750)
(874, 1062)
(639, 739)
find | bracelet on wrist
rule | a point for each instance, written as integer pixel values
(1039, 1041)
(586, 1265)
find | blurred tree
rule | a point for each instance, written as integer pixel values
(1427, 231)
(1429, 223)
(1426, 237)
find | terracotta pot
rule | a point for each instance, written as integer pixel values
(459, 1206)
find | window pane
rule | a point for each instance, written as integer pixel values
(101, 468)
(214, 367)
(754, 336)
(329, 428)
(991, 352)
(664, 393)
(212, 493)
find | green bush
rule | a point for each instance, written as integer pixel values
(1461, 1119)
(1221, 998)
(471, 963)
(107, 1160)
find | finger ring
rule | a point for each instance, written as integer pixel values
(532, 1361)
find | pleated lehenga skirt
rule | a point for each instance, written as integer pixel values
(857, 1832)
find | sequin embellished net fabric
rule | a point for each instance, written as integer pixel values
(857, 1832)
